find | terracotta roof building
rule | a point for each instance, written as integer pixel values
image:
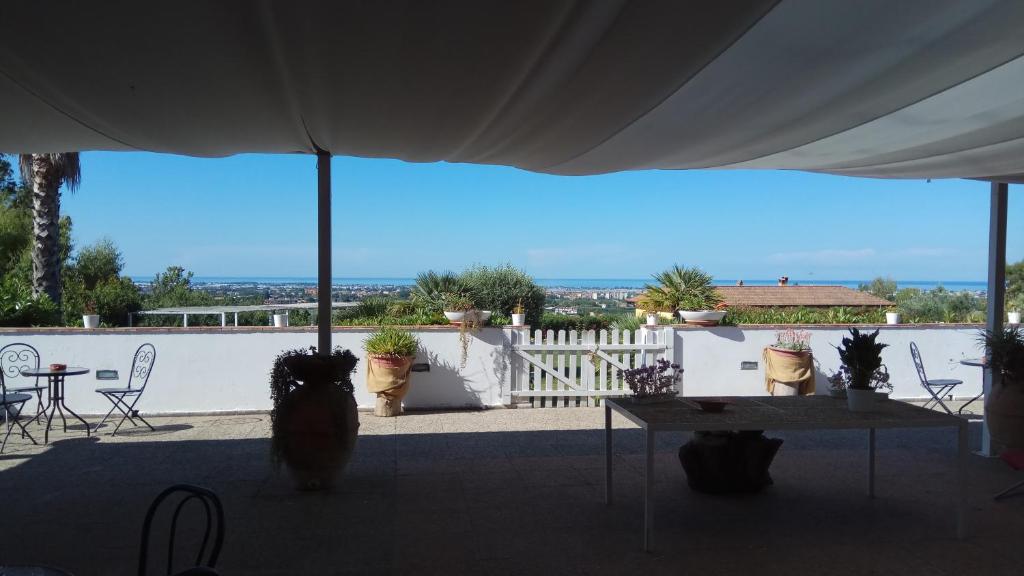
(792, 296)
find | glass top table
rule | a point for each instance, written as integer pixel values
(777, 413)
(56, 403)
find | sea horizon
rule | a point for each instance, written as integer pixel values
(579, 283)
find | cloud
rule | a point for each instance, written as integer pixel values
(828, 256)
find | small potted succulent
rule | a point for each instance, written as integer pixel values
(519, 314)
(862, 373)
(390, 352)
(90, 319)
(655, 383)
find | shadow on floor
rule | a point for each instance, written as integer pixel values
(518, 503)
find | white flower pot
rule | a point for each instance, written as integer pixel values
(705, 317)
(1014, 317)
(483, 316)
(519, 319)
(892, 317)
(652, 319)
(858, 400)
(91, 320)
(280, 320)
(455, 316)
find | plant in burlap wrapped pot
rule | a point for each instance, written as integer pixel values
(314, 421)
(390, 352)
(1004, 404)
(789, 365)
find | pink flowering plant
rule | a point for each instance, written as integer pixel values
(793, 340)
(656, 380)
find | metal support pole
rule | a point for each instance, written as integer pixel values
(996, 288)
(323, 218)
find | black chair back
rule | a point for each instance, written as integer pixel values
(13, 359)
(918, 364)
(214, 525)
(142, 366)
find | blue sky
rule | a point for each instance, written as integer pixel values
(254, 215)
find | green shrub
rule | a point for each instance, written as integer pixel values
(19, 308)
(501, 288)
(391, 341)
(558, 322)
(431, 287)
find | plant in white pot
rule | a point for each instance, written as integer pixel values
(688, 290)
(390, 352)
(90, 319)
(1013, 308)
(456, 306)
(862, 371)
(519, 314)
(892, 316)
(1004, 404)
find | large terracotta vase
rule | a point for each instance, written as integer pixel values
(321, 424)
(388, 378)
(1004, 412)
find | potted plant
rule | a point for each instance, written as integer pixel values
(90, 319)
(892, 316)
(314, 421)
(688, 290)
(862, 372)
(652, 318)
(1004, 404)
(390, 352)
(1013, 307)
(519, 314)
(789, 365)
(655, 383)
(456, 306)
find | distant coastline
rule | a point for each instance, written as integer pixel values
(579, 283)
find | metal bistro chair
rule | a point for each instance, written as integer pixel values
(214, 514)
(936, 388)
(142, 367)
(12, 403)
(13, 359)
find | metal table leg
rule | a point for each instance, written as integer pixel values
(961, 506)
(648, 488)
(607, 454)
(871, 462)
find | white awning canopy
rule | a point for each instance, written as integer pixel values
(908, 89)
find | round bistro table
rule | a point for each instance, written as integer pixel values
(978, 363)
(55, 380)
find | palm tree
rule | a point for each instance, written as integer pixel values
(45, 174)
(680, 288)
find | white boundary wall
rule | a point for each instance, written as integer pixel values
(215, 370)
(711, 357)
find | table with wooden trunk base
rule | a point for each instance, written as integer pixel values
(55, 380)
(778, 413)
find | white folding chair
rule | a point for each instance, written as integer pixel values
(936, 388)
(142, 367)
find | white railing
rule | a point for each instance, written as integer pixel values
(573, 368)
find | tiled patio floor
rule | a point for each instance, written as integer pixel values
(509, 492)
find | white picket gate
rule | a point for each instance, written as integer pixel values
(573, 368)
